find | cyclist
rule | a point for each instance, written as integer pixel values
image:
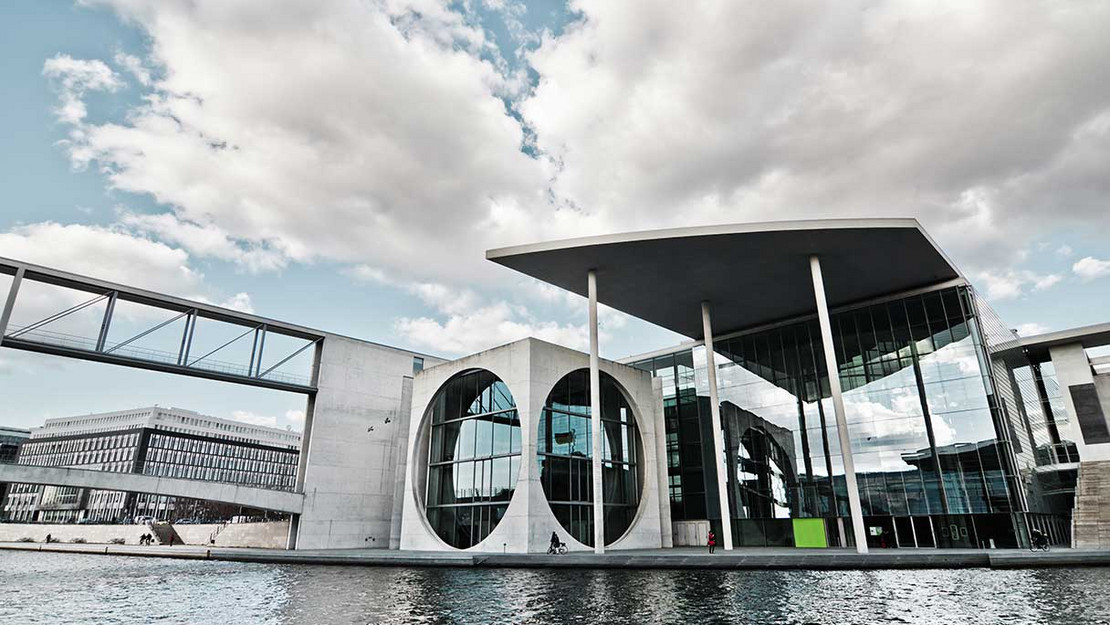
(1038, 540)
(556, 545)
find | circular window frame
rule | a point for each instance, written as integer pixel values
(638, 439)
(420, 465)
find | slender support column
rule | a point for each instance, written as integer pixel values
(261, 347)
(838, 406)
(718, 433)
(185, 336)
(107, 323)
(9, 304)
(595, 419)
(187, 339)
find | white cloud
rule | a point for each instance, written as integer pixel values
(368, 133)
(74, 78)
(134, 65)
(108, 253)
(105, 253)
(295, 417)
(1012, 283)
(723, 112)
(1089, 268)
(1031, 329)
(486, 327)
(208, 241)
(468, 324)
(377, 134)
(1064, 250)
(247, 416)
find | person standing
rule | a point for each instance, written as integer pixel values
(711, 541)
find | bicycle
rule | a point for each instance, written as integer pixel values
(1038, 544)
(559, 549)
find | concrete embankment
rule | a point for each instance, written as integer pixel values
(268, 535)
(769, 559)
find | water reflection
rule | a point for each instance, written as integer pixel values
(65, 588)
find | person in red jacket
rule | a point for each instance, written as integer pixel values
(711, 541)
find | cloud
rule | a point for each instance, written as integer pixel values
(73, 79)
(103, 252)
(114, 254)
(246, 416)
(207, 241)
(486, 327)
(1089, 268)
(390, 137)
(295, 417)
(725, 112)
(365, 133)
(1012, 283)
(1064, 250)
(1031, 329)
(134, 65)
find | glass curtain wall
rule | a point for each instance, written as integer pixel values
(474, 457)
(687, 427)
(921, 413)
(565, 453)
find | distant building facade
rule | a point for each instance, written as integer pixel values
(165, 442)
(11, 439)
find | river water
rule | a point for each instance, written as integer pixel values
(77, 588)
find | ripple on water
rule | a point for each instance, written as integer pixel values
(77, 588)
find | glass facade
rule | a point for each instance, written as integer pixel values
(931, 434)
(474, 457)
(565, 453)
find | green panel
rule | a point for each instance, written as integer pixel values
(810, 533)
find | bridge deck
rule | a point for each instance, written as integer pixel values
(261, 498)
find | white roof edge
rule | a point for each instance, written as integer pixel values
(1076, 334)
(711, 230)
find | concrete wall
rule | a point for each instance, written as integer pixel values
(269, 535)
(11, 532)
(355, 433)
(530, 368)
(1073, 367)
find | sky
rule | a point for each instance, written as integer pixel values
(345, 164)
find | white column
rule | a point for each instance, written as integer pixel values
(838, 406)
(595, 419)
(718, 433)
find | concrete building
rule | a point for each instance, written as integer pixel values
(11, 439)
(845, 385)
(170, 442)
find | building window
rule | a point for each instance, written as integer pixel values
(474, 457)
(565, 453)
(417, 364)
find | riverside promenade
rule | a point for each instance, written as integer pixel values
(678, 558)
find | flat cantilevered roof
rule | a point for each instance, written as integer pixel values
(752, 274)
(1037, 347)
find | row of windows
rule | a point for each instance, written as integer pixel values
(80, 444)
(268, 480)
(175, 443)
(163, 456)
(110, 457)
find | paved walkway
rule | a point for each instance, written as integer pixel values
(678, 558)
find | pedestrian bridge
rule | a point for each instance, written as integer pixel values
(235, 494)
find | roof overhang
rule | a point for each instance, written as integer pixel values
(752, 274)
(1088, 336)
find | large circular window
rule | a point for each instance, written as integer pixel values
(565, 452)
(474, 457)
